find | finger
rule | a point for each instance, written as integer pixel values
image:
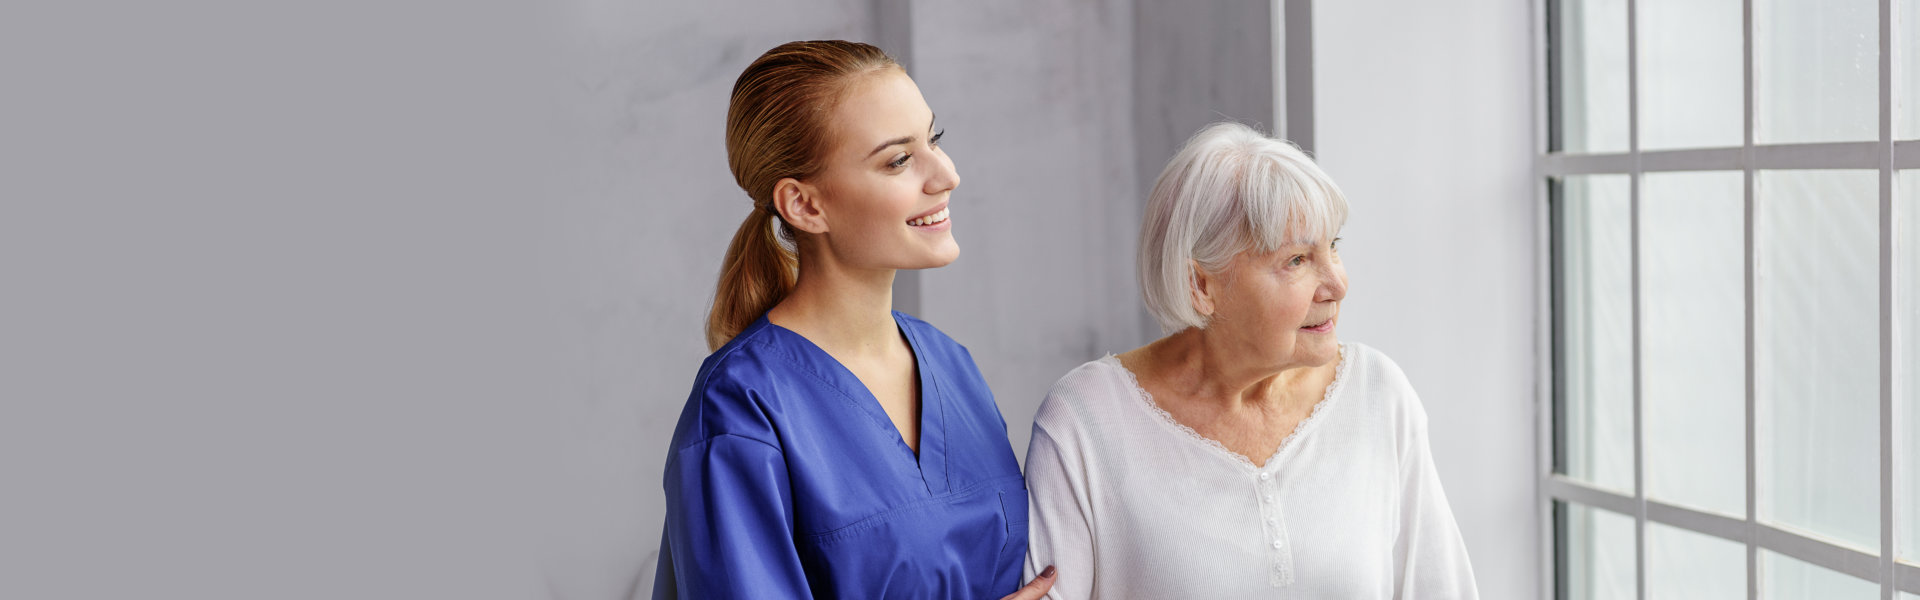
(1036, 589)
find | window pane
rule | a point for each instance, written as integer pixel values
(1906, 207)
(1784, 578)
(1694, 566)
(1598, 551)
(1906, 69)
(1597, 325)
(1816, 69)
(1690, 88)
(1818, 359)
(1593, 75)
(1693, 339)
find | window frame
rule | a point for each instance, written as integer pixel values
(1886, 155)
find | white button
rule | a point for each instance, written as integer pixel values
(1272, 521)
(1264, 476)
(1269, 497)
(1276, 544)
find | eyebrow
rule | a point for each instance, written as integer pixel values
(1308, 243)
(901, 140)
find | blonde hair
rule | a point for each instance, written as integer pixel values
(1230, 189)
(776, 129)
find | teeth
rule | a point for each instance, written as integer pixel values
(930, 219)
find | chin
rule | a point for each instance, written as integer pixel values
(939, 257)
(1328, 350)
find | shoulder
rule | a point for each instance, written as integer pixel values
(1084, 396)
(1374, 368)
(1382, 384)
(731, 393)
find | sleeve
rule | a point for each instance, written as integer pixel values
(729, 531)
(1430, 556)
(1059, 533)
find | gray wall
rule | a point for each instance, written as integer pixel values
(1200, 62)
(1424, 118)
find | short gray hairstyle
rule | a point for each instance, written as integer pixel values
(1230, 189)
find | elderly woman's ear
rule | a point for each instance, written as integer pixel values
(1201, 285)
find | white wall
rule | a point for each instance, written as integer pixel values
(1424, 117)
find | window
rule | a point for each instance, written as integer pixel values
(1734, 198)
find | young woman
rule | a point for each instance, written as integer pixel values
(832, 447)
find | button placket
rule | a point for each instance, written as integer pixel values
(1280, 556)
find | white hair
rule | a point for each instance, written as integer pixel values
(1230, 189)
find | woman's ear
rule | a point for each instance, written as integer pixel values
(1202, 286)
(799, 205)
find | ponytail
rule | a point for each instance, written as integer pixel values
(775, 131)
(756, 274)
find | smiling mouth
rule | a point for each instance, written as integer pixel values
(936, 218)
(1321, 327)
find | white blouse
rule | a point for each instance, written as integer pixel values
(1128, 503)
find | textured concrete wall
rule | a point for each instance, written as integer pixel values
(1197, 63)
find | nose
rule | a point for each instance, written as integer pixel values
(944, 177)
(1333, 284)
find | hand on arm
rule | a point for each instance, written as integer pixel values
(1033, 590)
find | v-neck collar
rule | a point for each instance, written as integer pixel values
(1328, 397)
(931, 460)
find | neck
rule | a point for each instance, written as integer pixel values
(839, 308)
(1200, 364)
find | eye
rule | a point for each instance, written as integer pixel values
(1297, 260)
(1334, 245)
(935, 140)
(901, 161)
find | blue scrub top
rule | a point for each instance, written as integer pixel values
(786, 479)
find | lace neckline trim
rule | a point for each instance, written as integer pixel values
(1326, 398)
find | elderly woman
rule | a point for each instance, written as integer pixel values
(1250, 453)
